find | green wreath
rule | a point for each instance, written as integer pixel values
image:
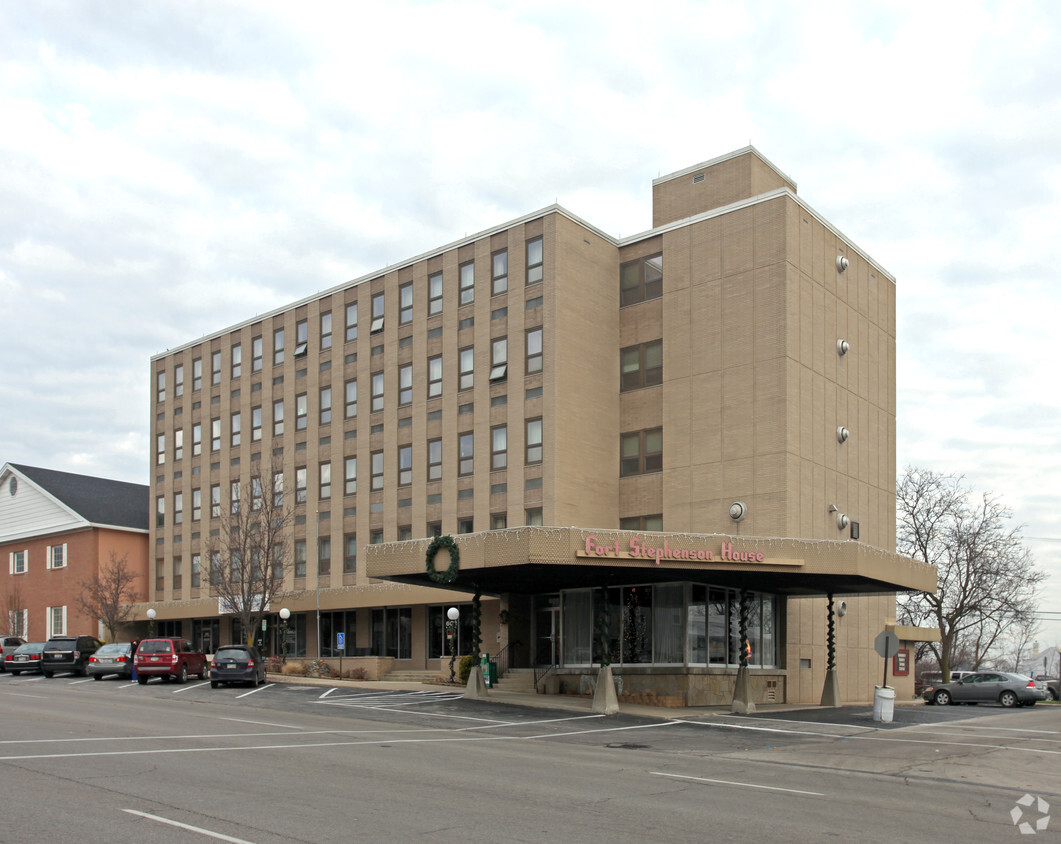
(450, 574)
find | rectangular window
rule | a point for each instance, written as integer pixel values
(351, 398)
(324, 555)
(466, 525)
(197, 571)
(653, 522)
(56, 556)
(534, 351)
(301, 412)
(215, 435)
(466, 454)
(641, 280)
(278, 346)
(405, 465)
(498, 521)
(278, 489)
(178, 508)
(405, 304)
(301, 338)
(534, 517)
(498, 359)
(234, 494)
(178, 380)
(534, 440)
(377, 391)
(300, 557)
(350, 553)
(235, 430)
(178, 574)
(160, 386)
(197, 504)
(18, 561)
(405, 384)
(641, 452)
(326, 330)
(215, 501)
(499, 447)
(326, 481)
(535, 258)
(56, 621)
(377, 470)
(375, 536)
(256, 354)
(160, 512)
(300, 485)
(467, 367)
(278, 417)
(326, 405)
(434, 460)
(197, 439)
(178, 444)
(378, 311)
(350, 476)
(351, 322)
(434, 377)
(197, 374)
(499, 272)
(256, 424)
(434, 294)
(160, 449)
(237, 360)
(215, 368)
(641, 366)
(467, 283)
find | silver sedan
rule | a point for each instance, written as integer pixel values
(986, 687)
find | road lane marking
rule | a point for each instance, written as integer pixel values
(739, 784)
(207, 832)
(262, 723)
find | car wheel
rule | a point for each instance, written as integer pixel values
(48, 674)
(15, 673)
(1008, 699)
(97, 676)
(942, 698)
(214, 684)
(1052, 693)
(142, 680)
(182, 678)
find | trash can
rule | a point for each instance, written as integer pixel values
(492, 675)
(883, 703)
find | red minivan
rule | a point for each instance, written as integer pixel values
(170, 659)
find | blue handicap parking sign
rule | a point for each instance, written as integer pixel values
(340, 641)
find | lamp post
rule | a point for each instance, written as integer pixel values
(151, 621)
(452, 614)
(285, 614)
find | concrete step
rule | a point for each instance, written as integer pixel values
(517, 680)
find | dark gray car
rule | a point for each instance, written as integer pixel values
(986, 687)
(237, 664)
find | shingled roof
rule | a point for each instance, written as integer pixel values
(98, 500)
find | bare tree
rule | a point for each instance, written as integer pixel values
(987, 578)
(110, 595)
(15, 609)
(1021, 637)
(251, 555)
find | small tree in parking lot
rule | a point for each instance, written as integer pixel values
(251, 555)
(110, 595)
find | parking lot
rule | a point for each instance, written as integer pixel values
(296, 761)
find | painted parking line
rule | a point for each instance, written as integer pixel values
(738, 784)
(253, 691)
(189, 688)
(207, 832)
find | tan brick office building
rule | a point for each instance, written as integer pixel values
(682, 427)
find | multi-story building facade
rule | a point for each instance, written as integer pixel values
(59, 530)
(562, 400)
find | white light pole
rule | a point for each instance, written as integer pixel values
(452, 614)
(151, 621)
(285, 614)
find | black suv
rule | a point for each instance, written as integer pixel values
(68, 653)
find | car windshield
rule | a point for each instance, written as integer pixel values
(113, 648)
(155, 648)
(230, 653)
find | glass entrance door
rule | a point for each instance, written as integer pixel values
(547, 630)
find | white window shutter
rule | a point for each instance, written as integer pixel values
(47, 622)
(48, 557)
(65, 563)
(10, 562)
(64, 616)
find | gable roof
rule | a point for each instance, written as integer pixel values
(100, 501)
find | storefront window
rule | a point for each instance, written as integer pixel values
(437, 644)
(637, 625)
(392, 632)
(578, 627)
(333, 623)
(668, 601)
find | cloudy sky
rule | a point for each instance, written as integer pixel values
(170, 168)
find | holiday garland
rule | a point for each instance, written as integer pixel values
(450, 574)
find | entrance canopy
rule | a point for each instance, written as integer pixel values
(547, 559)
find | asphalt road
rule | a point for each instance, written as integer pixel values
(110, 761)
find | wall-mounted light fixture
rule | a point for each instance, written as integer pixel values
(841, 263)
(842, 434)
(842, 609)
(842, 347)
(842, 521)
(737, 511)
